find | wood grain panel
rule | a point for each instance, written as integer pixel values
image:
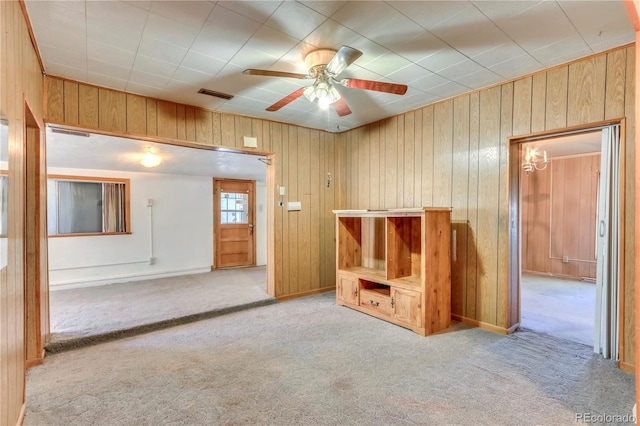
(442, 153)
(400, 158)
(363, 178)
(538, 102)
(303, 182)
(391, 159)
(88, 104)
(181, 122)
(256, 130)
(556, 98)
(190, 124)
(167, 119)
(614, 106)
(55, 99)
(227, 130)
(112, 110)
(216, 128)
(313, 219)
(136, 114)
(488, 204)
(470, 309)
(204, 126)
(152, 117)
(417, 159)
(459, 198)
(242, 128)
(409, 177)
(427, 156)
(293, 217)
(373, 135)
(586, 97)
(522, 96)
(70, 102)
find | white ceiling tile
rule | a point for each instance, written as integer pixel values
(188, 75)
(387, 64)
(516, 66)
(327, 8)
(107, 81)
(479, 79)
(442, 59)
(408, 74)
(154, 66)
(259, 11)
(47, 35)
(110, 54)
(331, 34)
(457, 71)
(293, 60)
(224, 34)
(500, 10)
(419, 47)
(160, 50)
(119, 15)
(202, 63)
(71, 59)
(555, 53)
(448, 90)
(248, 57)
(190, 13)
(171, 32)
(540, 26)
(144, 90)
(141, 4)
(72, 20)
(103, 32)
(365, 18)
(61, 70)
(272, 42)
(429, 14)
(295, 19)
(499, 53)
(147, 79)
(470, 21)
(108, 69)
(599, 21)
(428, 81)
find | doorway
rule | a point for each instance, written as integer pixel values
(567, 266)
(234, 222)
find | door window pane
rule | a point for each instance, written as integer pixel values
(234, 208)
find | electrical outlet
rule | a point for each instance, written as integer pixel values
(565, 259)
(152, 261)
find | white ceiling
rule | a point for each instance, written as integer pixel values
(170, 49)
(101, 152)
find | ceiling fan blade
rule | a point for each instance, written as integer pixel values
(286, 100)
(269, 73)
(379, 86)
(344, 57)
(341, 107)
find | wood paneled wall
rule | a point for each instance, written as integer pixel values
(20, 81)
(456, 153)
(559, 217)
(304, 161)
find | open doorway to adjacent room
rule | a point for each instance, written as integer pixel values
(141, 250)
(570, 230)
(559, 210)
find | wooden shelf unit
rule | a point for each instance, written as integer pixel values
(396, 265)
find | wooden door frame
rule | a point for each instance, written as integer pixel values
(216, 210)
(515, 219)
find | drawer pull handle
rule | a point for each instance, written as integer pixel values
(374, 303)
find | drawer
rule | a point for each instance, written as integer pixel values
(375, 301)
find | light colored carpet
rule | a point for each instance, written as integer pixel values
(85, 316)
(310, 362)
(559, 307)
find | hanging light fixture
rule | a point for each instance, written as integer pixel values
(322, 91)
(149, 159)
(531, 161)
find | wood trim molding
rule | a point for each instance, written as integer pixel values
(32, 36)
(23, 412)
(629, 368)
(305, 293)
(485, 326)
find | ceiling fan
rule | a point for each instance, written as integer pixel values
(324, 66)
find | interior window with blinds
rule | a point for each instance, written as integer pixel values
(87, 206)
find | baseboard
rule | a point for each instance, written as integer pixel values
(625, 366)
(32, 363)
(306, 293)
(23, 411)
(484, 325)
(125, 278)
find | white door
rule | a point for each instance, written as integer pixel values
(607, 243)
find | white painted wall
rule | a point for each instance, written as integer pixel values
(182, 234)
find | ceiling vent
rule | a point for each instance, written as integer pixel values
(215, 94)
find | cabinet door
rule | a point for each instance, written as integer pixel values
(407, 307)
(347, 289)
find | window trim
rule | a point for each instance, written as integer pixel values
(98, 179)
